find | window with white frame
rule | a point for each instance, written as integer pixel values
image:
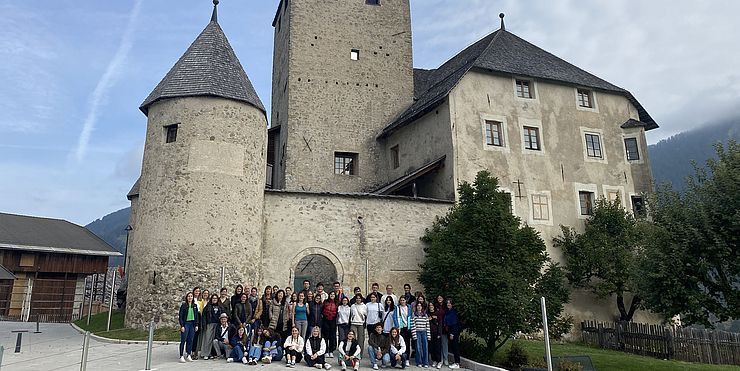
(586, 201)
(540, 207)
(585, 98)
(524, 89)
(494, 133)
(532, 138)
(593, 145)
(630, 145)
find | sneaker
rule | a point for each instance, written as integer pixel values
(329, 355)
(244, 360)
(288, 364)
(268, 360)
(439, 365)
(454, 366)
(205, 358)
(182, 359)
(344, 368)
(319, 366)
(375, 367)
(407, 363)
(189, 359)
(434, 364)
(229, 360)
(327, 366)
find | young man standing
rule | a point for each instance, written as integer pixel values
(410, 298)
(378, 296)
(389, 292)
(320, 292)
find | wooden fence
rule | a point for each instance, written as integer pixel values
(685, 344)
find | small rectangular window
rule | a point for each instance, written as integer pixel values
(613, 196)
(532, 138)
(511, 202)
(586, 200)
(638, 206)
(372, 2)
(524, 89)
(354, 55)
(345, 163)
(585, 98)
(593, 145)
(170, 133)
(633, 153)
(540, 209)
(494, 134)
(395, 160)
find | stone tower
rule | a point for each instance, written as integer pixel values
(342, 70)
(201, 191)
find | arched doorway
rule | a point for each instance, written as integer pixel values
(315, 268)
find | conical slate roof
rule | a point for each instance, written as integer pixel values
(500, 52)
(208, 68)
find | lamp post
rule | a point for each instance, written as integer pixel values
(128, 230)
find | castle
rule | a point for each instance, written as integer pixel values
(364, 151)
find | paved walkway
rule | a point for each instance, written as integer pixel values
(59, 347)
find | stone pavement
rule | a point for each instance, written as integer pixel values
(59, 347)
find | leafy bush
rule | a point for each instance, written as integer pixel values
(561, 327)
(516, 357)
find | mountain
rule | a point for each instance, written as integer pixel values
(671, 158)
(111, 228)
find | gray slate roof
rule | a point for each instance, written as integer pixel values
(505, 53)
(208, 68)
(134, 192)
(29, 233)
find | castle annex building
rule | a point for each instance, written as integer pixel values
(364, 151)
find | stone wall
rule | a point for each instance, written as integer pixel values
(333, 103)
(199, 206)
(385, 231)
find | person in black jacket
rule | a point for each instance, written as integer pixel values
(238, 291)
(224, 333)
(242, 312)
(189, 318)
(210, 319)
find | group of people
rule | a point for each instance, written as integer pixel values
(316, 325)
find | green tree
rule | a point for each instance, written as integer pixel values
(494, 268)
(693, 266)
(603, 257)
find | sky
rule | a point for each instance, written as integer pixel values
(74, 72)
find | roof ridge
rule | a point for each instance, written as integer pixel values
(34, 217)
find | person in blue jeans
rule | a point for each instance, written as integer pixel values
(378, 346)
(258, 342)
(238, 346)
(189, 318)
(422, 335)
(272, 349)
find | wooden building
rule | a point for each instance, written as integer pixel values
(43, 265)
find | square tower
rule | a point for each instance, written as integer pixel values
(342, 70)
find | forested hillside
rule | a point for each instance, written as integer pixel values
(111, 228)
(671, 158)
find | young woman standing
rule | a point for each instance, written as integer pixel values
(290, 306)
(242, 312)
(314, 313)
(421, 334)
(293, 347)
(209, 323)
(189, 318)
(358, 320)
(402, 320)
(238, 291)
(266, 303)
(300, 314)
(444, 339)
(279, 315)
(343, 314)
(452, 323)
(390, 307)
(329, 323)
(375, 313)
(434, 329)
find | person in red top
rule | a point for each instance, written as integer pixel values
(329, 323)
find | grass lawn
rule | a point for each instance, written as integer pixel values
(99, 321)
(606, 360)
